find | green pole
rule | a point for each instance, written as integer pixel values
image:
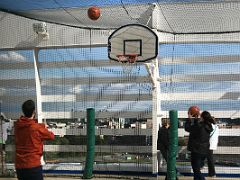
(173, 145)
(90, 144)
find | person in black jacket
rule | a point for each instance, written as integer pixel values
(198, 143)
(163, 141)
(213, 143)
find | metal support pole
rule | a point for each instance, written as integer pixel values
(173, 145)
(90, 144)
(38, 86)
(153, 71)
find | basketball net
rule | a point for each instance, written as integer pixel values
(127, 62)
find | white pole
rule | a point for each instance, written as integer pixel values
(38, 91)
(38, 86)
(153, 71)
(1, 130)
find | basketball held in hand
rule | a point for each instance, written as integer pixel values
(194, 111)
(94, 13)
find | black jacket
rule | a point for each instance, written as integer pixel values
(199, 135)
(163, 141)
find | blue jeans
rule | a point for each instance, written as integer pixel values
(30, 173)
(196, 162)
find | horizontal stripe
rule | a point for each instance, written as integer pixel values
(200, 59)
(124, 114)
(120, 149)
(75, 81)
(226, 132)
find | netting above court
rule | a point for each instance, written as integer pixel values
(69, 71)
(166, 16)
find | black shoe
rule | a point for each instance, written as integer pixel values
(212, 176)
(166, 178)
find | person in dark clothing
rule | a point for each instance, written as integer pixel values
(198, 143)
(163, 141)
(213, 143)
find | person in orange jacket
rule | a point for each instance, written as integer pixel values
(29, 137)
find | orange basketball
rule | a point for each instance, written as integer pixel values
(94, 13)
(194, 111)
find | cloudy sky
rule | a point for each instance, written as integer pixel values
(172, 51)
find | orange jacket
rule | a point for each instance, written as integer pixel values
(29, 137)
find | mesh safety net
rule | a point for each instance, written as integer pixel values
(69, 71)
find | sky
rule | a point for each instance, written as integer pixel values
(180, 50)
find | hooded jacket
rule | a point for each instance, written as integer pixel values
(163, 141)
(199, 135)
(29, 137)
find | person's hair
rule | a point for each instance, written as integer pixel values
(214, 120)
(165, 122)
(2, 117)
(28, 108)
(206, 116)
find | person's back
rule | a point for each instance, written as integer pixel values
(198, 143)
(198, 137)
(163, 141)
(29, 137)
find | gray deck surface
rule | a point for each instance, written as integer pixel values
(122, 177)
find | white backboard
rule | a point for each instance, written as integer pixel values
(133, 39)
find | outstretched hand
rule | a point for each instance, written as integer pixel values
(189, 115)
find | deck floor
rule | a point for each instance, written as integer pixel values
(122, 178)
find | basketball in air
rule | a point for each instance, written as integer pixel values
(94, 13)
(194, 111)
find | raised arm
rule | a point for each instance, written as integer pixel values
(188, 123)
(45, 133)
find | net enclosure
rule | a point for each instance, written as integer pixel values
(51, 52)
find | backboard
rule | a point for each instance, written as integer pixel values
(133, 39)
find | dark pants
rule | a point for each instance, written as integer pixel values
(164, 153)
(211, 167)
(30, 173)
(196, 162)
(2, 147)
(210, 161)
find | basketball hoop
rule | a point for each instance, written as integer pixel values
(127, 61)
(127, 58)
